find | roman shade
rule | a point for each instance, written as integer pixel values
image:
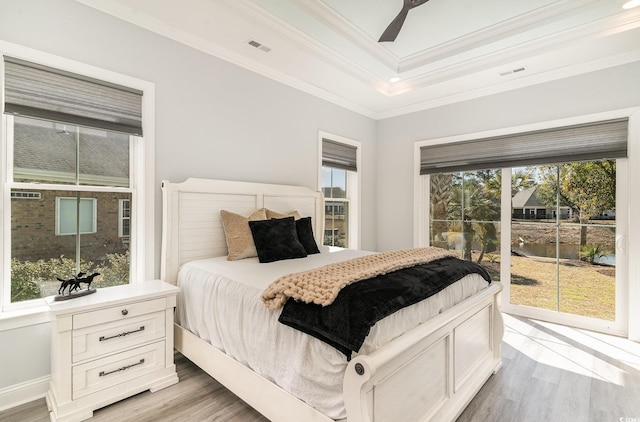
(338, 155)
(584, 142)
(43, 92)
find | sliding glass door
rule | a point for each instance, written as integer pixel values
(563, 241)
(550, 234)
(545, 209)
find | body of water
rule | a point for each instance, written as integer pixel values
(548, 250)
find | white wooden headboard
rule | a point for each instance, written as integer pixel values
(191, 224)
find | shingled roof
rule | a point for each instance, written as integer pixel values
(42, 152)
(527, 198)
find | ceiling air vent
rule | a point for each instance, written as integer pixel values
(513, 71)
(259, 46)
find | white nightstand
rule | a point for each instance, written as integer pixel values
(110, 345)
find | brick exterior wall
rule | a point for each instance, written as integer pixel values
(33, 228)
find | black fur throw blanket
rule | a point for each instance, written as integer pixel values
(347, 321)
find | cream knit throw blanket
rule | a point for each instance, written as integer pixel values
(322, 285)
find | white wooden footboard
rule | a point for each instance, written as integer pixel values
(432, 372)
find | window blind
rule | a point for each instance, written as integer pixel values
(584, 142)
(338, 155)
(43, 92)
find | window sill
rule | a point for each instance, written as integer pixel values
(10, 320)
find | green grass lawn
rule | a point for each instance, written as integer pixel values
(585, 289)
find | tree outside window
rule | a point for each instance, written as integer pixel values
(465, 215)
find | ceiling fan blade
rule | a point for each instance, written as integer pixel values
(394, 27)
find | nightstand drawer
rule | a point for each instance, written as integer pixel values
(112, 370)
(115, 336)
(118, 313)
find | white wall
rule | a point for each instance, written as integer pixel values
(605, 90)
(213, 120)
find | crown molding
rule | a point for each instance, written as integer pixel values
(519, 51)
(310, 44)
(513, 84)
(150, 23)
(449, 78)
(522, 51)
(338, 23)
(492, 33)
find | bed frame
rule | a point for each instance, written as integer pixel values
(430, 373)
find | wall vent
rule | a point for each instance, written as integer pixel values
(512, 71)
(25, 195)
(259, 46)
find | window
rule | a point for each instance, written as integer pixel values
(67, 220)
(336, 207)
(465, 216)
(124, 218)
(73, 143)
(74, 225)
(339, 184)
(539, 210)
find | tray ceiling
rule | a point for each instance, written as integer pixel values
(446, 51)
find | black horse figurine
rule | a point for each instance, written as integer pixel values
(88, 279)
(68, 283)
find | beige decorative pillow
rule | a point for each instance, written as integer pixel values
(239, 239)
(272, 214)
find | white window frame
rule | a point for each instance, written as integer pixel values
(142, 182)
(627, 244)
(353, 186)
(94, 216)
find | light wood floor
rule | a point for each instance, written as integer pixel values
(550, 373)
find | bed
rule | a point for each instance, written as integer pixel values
(430, 372)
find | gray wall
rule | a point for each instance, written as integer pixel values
(600, 91)
(213, 120)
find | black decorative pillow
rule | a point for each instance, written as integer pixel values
(276, 239)
(304, 229)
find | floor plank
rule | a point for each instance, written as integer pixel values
(550, 373)
(555, 373)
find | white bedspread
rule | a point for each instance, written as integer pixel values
(220, 302)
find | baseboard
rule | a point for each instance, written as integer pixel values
(22, 393)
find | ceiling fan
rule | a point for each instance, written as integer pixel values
(394, 27)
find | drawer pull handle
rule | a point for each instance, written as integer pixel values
(126, 333)
(124, 312)
(124, 368)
